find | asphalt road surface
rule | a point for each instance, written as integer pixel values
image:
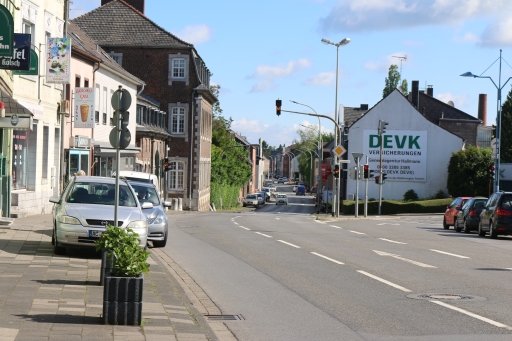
(292, 277)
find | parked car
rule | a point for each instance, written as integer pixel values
(251, 200)
(282, 199)
(452, 210)
(86, 207)
(285, 179)
(301, 190)
(139, 176)
(261, 197)
(313, 189)
(280, 181)
(272, 188)
(468, 218)
(266, 190)
(157, 219)
(496, 216)
(294, 188)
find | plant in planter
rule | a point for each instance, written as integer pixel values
(122, 291)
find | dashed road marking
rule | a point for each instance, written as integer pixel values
(382, 253)
(295, 246)
(384, 281)
(325, 257)
(449, 254)
(391, 241)
(263, 234)
(337, 227)
(356, 232)
(245, 228)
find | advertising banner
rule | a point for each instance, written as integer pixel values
(6, 32)
(34, 66)
(83, 106)
(20, 58)
(404, 154)
(324, 172)
(58, 59)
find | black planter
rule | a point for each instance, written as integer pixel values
(122, 300)
(106, 266)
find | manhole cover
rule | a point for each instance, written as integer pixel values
(445, 297)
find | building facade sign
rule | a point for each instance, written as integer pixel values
(404, 154)
(20, 58)
(83, 108)
(33, 68)
(58, 59)
(6, 32)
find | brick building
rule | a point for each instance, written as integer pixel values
(176, 77)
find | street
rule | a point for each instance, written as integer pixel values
(288, 276)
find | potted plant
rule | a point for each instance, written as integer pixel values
(122, 289)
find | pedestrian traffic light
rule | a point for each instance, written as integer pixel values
(278, 107)
(336, 172)
(377, 180)
(384, 176)
(491, 173)
(366, 173)
(166, 164)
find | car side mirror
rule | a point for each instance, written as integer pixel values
(147, 205)
(55, 199)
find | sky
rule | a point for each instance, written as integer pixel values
(259, 51)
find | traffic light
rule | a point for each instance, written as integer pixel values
(166, 164)
(384, 176)
(377, 180)
(366, 173)
(336, 172)
(491, 173)
(278, 107)
(382, 127)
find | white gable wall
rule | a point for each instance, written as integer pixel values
(404, 120)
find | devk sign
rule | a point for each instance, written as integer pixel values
(404, 154)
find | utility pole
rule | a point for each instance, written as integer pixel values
(381, 130)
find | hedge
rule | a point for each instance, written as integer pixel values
(229, 195)
(397, 207)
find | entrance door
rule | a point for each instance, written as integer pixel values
(78, 160)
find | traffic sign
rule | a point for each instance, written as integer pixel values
(124, 139)
(339, 150)
(121, 100)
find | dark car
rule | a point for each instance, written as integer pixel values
(452, 210)
(496, 217)
(301, 190)
(468, 217)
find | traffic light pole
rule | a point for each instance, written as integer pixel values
(380, 172)
(366, 191)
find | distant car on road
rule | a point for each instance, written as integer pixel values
(266, 190)
(282, 199)
(251, 200)
(261, 197)
(301, 190)
(452, 210)
(468, 217)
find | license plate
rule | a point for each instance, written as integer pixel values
(94, 233)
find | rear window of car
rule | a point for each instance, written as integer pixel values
(251, 197)
(281, 195)
(506, 201)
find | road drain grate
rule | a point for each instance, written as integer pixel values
(445, 297)
(224, 317)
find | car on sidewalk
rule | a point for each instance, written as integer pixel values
(85, 208)
(281, 199)
(452, 210)
(468, 217)
(158, 226)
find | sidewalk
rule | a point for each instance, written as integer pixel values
(48, 297)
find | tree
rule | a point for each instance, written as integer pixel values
(468, 172)
(405, 89)
(391, 81)
(506, 130)
(267, 150)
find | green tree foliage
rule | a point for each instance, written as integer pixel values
(405, 87)
(391, 80)
(267, 150)
(468, 172)
(506, 130)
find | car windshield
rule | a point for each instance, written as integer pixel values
(100, 194)
(146, 194)
(251, 197)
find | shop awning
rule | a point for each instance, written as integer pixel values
(16, 115)
(105, 147)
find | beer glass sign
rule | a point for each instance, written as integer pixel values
(84, 108)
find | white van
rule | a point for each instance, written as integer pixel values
(140, 176)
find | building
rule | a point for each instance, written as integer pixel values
(416, 151)
(176, 77)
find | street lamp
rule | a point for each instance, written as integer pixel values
(290, 169)
(343, 42)
(498, 121)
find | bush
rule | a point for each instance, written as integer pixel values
(398, 207)
(410, 195)
(439, 195)
(228, 194)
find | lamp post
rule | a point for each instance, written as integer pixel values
(290, 169)
(337, 139)
(498, 122)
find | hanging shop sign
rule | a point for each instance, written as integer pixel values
(83, 108)
(34, 66)
(6, 32)
(58, 59)
(20, 58)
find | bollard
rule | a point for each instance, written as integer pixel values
(180, 205)
(175, 204)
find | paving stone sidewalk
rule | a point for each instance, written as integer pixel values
(48, 297)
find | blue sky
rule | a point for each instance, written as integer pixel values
(259, 51)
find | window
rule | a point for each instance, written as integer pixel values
(97, 104)
(117, 57)
(29, 28)
(176, 175)
(104, 118)
(178, 120)
(105, 105)
(77, 81)
(86, 83)
(178, 68)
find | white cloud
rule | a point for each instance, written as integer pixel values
(322, 79)
(264, 85)
(77, 8)
(498, 33)
(195, 34)
(280, 71)
(274, 135)
(371, 15)
(383, 64)
(458, 100)
(468, 37)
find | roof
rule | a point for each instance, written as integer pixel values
(12, 106)
(84, 43)
(119, 24)
(352, 114)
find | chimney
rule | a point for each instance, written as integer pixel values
(482, 108)
(364, 107)
(415, 93)
(139, 5)
(430, 90)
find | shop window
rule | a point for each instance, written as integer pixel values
(19, 157)
(46, 133)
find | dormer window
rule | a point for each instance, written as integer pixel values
(178, 68)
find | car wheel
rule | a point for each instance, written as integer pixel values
(456, 225)
(466, 227)
(446, 226)
(58, 250)
(492, 233)
(480, 232)
(160, 243)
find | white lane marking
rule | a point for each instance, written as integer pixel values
(384, 281)
(245, 228)
(235, 223)
(282, 241)
(387, 224)
(264, 235)
(332, 260)
(478, 317)
(381, 253)
(508, 268)
(338, 227)
(391, 241)
(278, 218)
(320, 222)
(357, 232)
(449, 254)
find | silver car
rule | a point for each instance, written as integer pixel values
(157, 219)
(86, 207)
